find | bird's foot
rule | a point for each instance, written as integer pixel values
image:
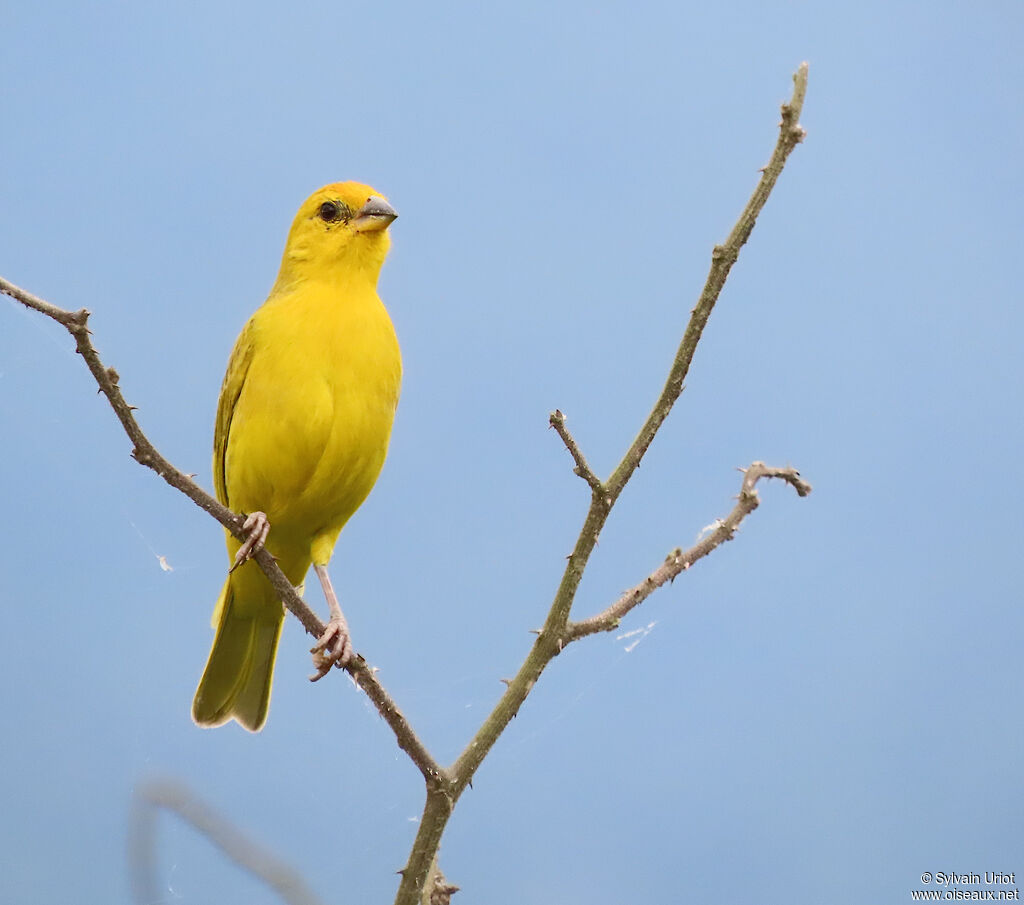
(333, 649)
(256, 528)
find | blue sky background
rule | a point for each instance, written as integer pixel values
(823, 710)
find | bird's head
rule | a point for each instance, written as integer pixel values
(340, 231)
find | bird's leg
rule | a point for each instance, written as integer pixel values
(335, 645)
(256, 528)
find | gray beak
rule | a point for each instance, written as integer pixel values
(375, 214)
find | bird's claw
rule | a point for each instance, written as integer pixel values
(256, 528)
(334, 648)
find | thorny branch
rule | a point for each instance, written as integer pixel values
(146, 454)
(556, 632)
(445, 786)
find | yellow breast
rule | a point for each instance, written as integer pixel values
(310, 428)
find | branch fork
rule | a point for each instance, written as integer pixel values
(444, 785)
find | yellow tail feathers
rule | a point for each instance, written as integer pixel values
(239, 672)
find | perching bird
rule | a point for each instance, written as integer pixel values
(303, 424)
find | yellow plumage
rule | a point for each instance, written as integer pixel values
(303, 424)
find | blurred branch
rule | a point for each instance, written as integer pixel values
(175, 798)
(557, 630)
(146, 454)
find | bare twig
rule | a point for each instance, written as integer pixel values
(551, 639)
(175, 798)
(556, 631)
(723, 256)
(146, 454)
(557, 421)
(679, 561)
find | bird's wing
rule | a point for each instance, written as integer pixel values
(234, 380)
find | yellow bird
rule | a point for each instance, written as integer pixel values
(303, 424)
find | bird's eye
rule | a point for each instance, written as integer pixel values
(329, 212)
